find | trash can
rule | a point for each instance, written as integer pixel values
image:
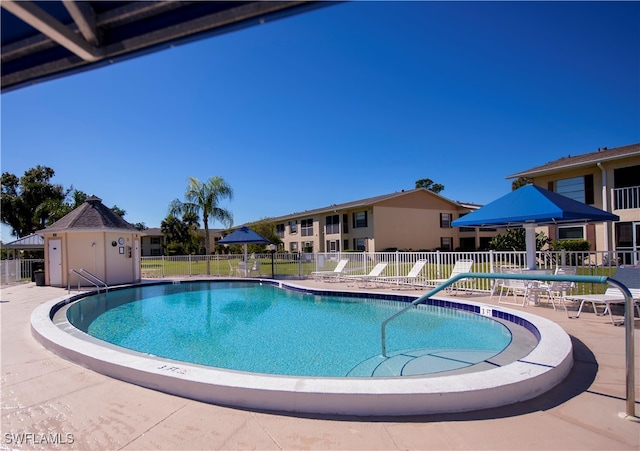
(39, 278)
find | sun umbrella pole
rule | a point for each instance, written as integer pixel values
(246, 260)
(530, 240)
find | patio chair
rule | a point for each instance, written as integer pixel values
(551, 289)
(331, 275)
(461, 267)
(409, 279)
(497, 284)
(241, 269)
(515, 286)
(255, 268)
(366, 279)
(627, 275)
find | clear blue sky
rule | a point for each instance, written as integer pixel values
(346, 102)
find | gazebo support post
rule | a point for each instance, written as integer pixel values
(530, 239)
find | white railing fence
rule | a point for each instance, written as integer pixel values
(626, 198)
(439, 264)
(299, 266)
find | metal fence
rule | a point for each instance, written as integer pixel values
(18, 270)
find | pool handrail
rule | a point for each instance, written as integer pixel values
(91, 278)
(629, 315)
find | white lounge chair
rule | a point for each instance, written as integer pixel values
(366, 279)
(331, 275)
(461, 267)
(403, 280)
(629, 276)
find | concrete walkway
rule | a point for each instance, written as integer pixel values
(50, 403)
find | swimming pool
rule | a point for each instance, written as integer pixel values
(263, 328)
(497, 381)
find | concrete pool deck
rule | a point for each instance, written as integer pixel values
(46, 399)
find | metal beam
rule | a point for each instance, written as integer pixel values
(83, 15)
(46, 24)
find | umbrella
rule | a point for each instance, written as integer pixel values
(244, 235)
(530, 206)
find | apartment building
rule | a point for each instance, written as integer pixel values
(153, 241)
(608, 179)
(415, 219)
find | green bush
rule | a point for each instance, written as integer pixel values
(577, 245)
(571, 245)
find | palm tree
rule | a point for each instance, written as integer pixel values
(202, 199)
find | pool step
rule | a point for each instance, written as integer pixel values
(419, 362)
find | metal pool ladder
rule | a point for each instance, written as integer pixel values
(91, 278)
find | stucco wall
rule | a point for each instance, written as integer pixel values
(94, 252)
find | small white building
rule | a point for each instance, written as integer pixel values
(91, 238)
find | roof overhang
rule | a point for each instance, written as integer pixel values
(580, 161)
(44, 40)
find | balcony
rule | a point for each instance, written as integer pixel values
(626, 198)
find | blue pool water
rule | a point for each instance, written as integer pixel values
(265, 329)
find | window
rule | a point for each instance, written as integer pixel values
(345, 244)
(626, 177)
(577, 188)
(307, 247)
(570, 233)
(155, 240)
(446, 243)
(333, 224)
(468, 244)
(333, 246)
(445, 220)
(359, 244)
(485, 241)
(293, 246)
(360, 219)
(156, 252)
(293, 226)
(624, 235)
(306, 227)
(280, 230)
(345, 223)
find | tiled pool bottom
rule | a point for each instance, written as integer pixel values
(455, 390)
(441, 362)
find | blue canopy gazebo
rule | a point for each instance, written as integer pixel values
(530, 206)
(244, 235)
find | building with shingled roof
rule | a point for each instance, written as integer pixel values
(416, 219)
(91, 238)
(608, 179)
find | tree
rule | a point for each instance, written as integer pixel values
(119, 211)
(178, 235)
(428, 184)
(204, 199)
(31, 202)
(519, 182)
(267, 229)
(515, 240)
